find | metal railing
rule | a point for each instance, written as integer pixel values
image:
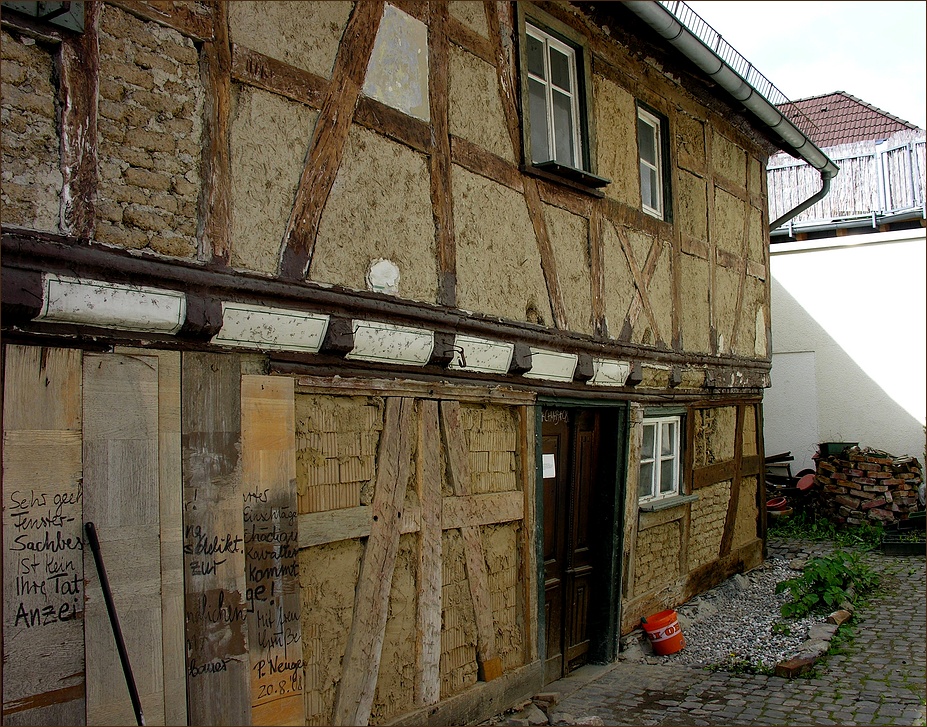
(713, 40)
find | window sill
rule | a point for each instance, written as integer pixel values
(568, 176)
(667, 503)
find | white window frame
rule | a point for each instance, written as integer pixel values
(656, 125)
(659, 461)
(550, 41)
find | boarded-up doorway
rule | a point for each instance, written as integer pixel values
(579, 465)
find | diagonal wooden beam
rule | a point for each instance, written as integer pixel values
(499, 17)
(329, 138)
(640, 282)
(361, 663)
(488, 662)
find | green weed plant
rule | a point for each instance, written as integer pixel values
(826, 582)
(808, 526)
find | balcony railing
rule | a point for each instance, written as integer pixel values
(695, 24)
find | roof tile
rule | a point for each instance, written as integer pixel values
(842, 119)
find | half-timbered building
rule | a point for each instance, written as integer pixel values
(402, 355)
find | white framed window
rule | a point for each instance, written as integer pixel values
(661, 462)
(553, 99)
(650, 151)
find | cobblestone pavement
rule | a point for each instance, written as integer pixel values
(879, 679)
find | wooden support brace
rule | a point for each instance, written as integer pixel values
(361, 663)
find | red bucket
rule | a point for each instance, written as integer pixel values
(664, 632)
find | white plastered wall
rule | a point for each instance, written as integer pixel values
(856, 305)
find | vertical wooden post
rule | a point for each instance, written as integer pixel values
(268, 443)
(428, 609)
(79, 71)
(43, 593)
(218, 666)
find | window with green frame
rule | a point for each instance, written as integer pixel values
(661, 458)
(558, 135)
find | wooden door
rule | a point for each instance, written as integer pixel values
(570, 464)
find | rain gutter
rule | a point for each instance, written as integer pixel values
(664, 23)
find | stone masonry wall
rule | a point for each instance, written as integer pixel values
(658, 557)
(150, 128)
(31, 170)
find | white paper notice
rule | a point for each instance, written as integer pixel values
(549, 467)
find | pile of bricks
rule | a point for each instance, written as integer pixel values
(867, 486)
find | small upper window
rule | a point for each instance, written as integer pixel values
(554, 103)
(650, 151)
(558, 137)
(660, 471)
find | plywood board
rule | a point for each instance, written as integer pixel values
(215, 605)
(43, 571)
(121, 499)
(170, 488)
(268, 443)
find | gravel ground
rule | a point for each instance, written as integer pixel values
(733, 623)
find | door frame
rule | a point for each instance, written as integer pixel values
(605, 616)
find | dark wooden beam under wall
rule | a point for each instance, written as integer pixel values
(329, 138)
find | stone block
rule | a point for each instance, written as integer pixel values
(840, 617)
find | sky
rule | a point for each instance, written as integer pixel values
(875, 51)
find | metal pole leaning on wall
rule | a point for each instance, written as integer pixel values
(114, 621)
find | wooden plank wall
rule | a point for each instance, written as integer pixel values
(268, 443)
(122, 499)
(218, 665)
(43, 572)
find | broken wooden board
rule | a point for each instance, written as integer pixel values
(268, 444)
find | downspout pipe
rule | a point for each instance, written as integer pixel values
(664, 23)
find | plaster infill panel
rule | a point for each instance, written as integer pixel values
(397, 74)
(475, 108)
(498, 264)
(616, 141)
(303, 34)
(660, 294)
(471, 13)
(31, 147)
(690, 141)
(692, 205)
(619, 283)
(729, 159)
(569, 237)
(728, 221)
(269, 140)
(695, 276)
(379, 208)
(724, 304)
